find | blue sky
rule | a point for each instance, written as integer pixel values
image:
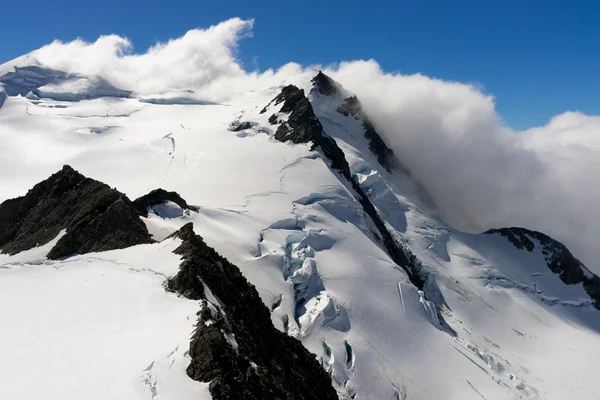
(538, 58)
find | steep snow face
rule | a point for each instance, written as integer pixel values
(295, 228)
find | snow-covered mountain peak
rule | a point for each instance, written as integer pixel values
(324, 85)
(331, 99)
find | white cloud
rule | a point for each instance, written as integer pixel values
(202, 60)
(480, 173)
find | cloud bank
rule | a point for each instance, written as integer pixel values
(480, 173)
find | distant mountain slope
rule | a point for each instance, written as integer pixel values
(39, 82)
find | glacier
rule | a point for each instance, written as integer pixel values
(451, 316)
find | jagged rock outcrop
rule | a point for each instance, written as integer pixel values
(557, 256)
(235, 346)
(158, 196)
(302, 126)
(95, 217)
(352, 107)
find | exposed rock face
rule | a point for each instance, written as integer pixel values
(303, 126)
(96, 217)
(158, 196)
(235, 346)
(558, 258)
(324, 84)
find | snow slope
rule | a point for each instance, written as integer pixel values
(97, 326)
(296, 230)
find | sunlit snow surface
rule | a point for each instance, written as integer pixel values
(98, 326)
(102, 326)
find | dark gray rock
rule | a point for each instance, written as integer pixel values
(96, 217)
(267, 363)
(557, 256)
(324, 85)
(159, 196)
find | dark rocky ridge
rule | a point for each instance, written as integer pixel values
(352, 107)
(158, 196)
(95, 216)
(266, 363)
(303, 126)
(557, 256)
